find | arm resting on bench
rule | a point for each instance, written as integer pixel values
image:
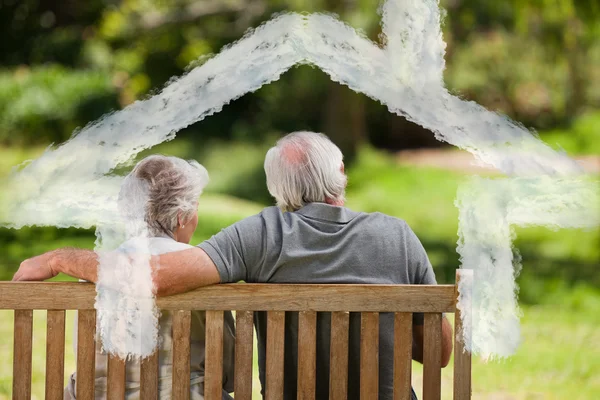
(446, 342)
(173, 273)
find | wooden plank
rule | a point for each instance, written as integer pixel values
(47, 295)
(55, 354)
(23, 332)
(369, 356)
(275, 349)
(182, 321)
(338, 356)
(462, 358)
(115, 378)
(432, 356)
(246, 297)
(86, 354)
(213, 383)
(243, 355)
(307, 355)
(402, 356)
(149, 377)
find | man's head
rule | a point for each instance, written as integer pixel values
(305, 167)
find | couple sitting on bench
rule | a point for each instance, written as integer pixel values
(310, 237)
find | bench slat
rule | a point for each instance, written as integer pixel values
(275, 353)
(86, 354)
(149, 377)
(432, 356)
(55, 354)
(402, 356)
(307, 354)
(213, 387)
(115, 378)
(245, 297)
(275, 299)
(462, 358)
(338, 357)
(182, 321)
(23, 332)
(243, 355)
(369, 356)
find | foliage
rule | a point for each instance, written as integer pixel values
(43, 103)
(536, 60)
(530, 87)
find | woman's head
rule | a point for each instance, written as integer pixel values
(165, 191)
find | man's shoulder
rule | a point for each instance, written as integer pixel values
(266, 217)
(270, 212)
(385, 219)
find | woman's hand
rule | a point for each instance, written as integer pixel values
(37, 268)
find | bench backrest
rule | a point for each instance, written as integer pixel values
(275, 299)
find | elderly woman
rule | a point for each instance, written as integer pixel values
(164, 191)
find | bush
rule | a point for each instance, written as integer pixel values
(45, 104)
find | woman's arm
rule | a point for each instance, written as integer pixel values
(172, 273)
(182, 271)
(78, 263)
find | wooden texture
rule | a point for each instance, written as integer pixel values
(86, 354)
(149, 377)
(338, 356)
(22, 354)
(213, 383)
(275, 349)
(307, 355)
(182, 321)
(243, 355)
(432, 356)
(245, 297)
(55, 354)
(462, 358)
(115, 378)
(402, 356)
(369, 356)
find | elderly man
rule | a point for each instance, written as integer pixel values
(309, 238)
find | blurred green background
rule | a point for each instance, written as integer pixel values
(65, 63)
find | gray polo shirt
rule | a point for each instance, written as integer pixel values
(323, 244)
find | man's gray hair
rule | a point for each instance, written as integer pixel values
(305, 167)
(159, 189)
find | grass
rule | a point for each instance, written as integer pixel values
(558, 359)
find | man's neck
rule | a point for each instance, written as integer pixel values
(337, 203)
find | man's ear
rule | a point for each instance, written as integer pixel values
(342, 169)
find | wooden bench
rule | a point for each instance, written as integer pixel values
(369, 300)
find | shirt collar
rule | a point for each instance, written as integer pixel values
(328, 212)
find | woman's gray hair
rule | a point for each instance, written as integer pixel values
(160, 189)
(305, 167)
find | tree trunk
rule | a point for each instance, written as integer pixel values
(345, 119)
